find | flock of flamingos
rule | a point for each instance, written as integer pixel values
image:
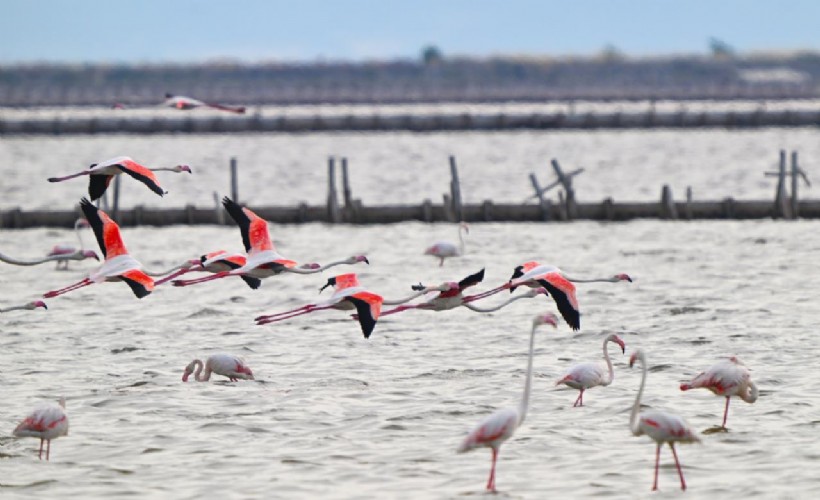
(727, 378)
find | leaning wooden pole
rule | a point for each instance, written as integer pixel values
(334, 215)
(234, 181)
(455, 191)
(795, 206)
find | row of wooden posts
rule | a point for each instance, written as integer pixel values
(452, 209)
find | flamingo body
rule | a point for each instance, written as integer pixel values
(45, 422)
(585, 376)
(727, 378)
(445, 249)
(222, 364)
(187, 103)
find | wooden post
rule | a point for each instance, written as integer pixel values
(781, 203)
(455, 190)
(566, 180)
(115, 213)
(562, 206)
(487, 210)
(668, 209)
(427, 210)
(795, 175)
(234, 181)
(689, 202)
(609, 209)
(447, 205)
(302, 213)
(538, 191)
(219, 214)
(333, 213)
(346, 185)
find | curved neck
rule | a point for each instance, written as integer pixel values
(198, 370)
(525, 399)
(163, 169)
(608, 364)
(461, 239)
(750, 396)
(17, 262)
(494, 308)
(13, 308)
(184, 265)
(636, 408)
(612, 279)
(319, 269)
(406, 299)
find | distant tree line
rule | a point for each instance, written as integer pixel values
(433, 78)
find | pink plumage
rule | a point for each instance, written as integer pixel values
(45, 422)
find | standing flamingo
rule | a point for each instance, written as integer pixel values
(100, 175)
(501, 424)
(221, 364)
(585, 376)
(263, 260)
(187, 103)
(661, 426)
(118, 265)
(728, 378)
(78, 255)
(25, 307)
(46, 422)
(347, 295)
(444, 249)
(68, 250)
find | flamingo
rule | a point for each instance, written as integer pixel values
(214, 262)
(187, 103)
(69, 250)
(452, 296)
(263, 260)
(728, 378)
(46, 422)
(588, 375)
(222, 364)
(100, 175)
(78, 255)
(501, 424)
(444, 249)
(557, 283)
(25, 307)
(660, 426)
(118, 265)
(347, 295)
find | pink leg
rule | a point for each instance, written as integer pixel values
(482, 295)
(201, 280)
(173, 275)
(41, 448)
(293, 315)
(441, 261)
(48, 449)
(67, 289)
(657, 463)
(677, 464)
(397, 310)
(726, 412)
(580, 400)
(491, 480)
(286, 313)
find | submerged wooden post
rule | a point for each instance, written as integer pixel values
(689, 202)
(795, 174)
(115, 212)
(427, 210)
(668, 209)
(219, 214)
(455, 190)
(346, 185)
(781, 205)
(333, 213)
(609, 209)
(566, 181)
(234, 181)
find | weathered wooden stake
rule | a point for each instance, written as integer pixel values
(668, 209)
(795, 175)
(566, 180)
(346, 185)
(234, 181)
(115, 212)
(427, 210)
(455, 190)
(333, 212)
(781, 202)
(689, 202)
(219, 214)
(609, 209)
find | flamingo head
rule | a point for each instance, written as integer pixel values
(82, 223)
(636, 356)
(433, 250)
(90, 254)
(735, 360)
(534, 292)
(311, 265)
(359, 258)
(182, 168)
(35, 304)
(546, 319)
(330, 282)
(618, 340)
(246, 371)
(447, 286)
(623, 277)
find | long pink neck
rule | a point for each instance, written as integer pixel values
(199, 367)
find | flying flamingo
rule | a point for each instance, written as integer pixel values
(347, 295)
(557, 283)
(187, 103)
(100, 175)
(221, 364)
(585, 376)
(78, 255)
(25, 307)
(118, 265)
(452, 296)
(263, 260)
(68, 250)
(501, 424)
(661, 426)
(46, 422)
(444, 249)
(728, 378)
(213, 262)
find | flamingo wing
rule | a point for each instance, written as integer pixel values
(254, 229)
(232, 262)
(471, 280)
(492, 431)
(368, 306)
(106, 230)
(563, 292)
(97, 184)
(141, 284)
(141, 174)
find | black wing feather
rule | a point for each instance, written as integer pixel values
(136, 287)
(517, 273)
(97, 184)
(93, 218)
(365, 317)
(471, 280)
(252, 282)
(571, 316)
(153, 186)
(242, 220)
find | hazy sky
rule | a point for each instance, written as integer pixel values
(355, 30)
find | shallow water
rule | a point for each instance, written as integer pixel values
(337, 416)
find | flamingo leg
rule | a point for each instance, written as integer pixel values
(48, 450)
(657, 463)
(441, 261)
(677, 464)
(491, 480)
(482, 295)
(173, 275)
(271, 316)
(726, 412)
(40, 456)
(397, 310)
(580, 400)
(69, 288)
(200, 280)
(293, 315)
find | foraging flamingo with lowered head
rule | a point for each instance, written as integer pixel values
(222, 364)
(71, 253)
(728, 378)
(79, 255)
(445, 249)
(348, 294)
(500, 426)
(118, 265)
(262, 260)
(46, 422)
(662, 427)
(30, 306)
(100, 175)
(585, 376)
(187, 103)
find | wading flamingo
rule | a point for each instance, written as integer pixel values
(187, 103)
(79, 255)
(660, 426)
(347, 295)
(728, 378)
(100, 175)
(46, 422)
(452, 295)
(557, 283)
(68, 250)
(501, 424)
(221, 364)
(118, 265)
(444, 249)
(585, 376)
(25, 307)
(263, 261)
